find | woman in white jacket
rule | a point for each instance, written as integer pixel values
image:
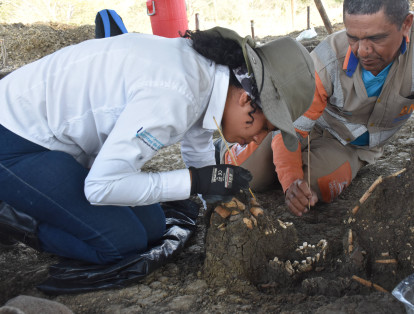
(77, 126)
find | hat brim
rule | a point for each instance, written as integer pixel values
(286, 90)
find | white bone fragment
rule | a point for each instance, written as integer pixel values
(289, 268)
(282, 224)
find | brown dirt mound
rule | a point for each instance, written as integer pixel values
(27, 43)
(383, 231)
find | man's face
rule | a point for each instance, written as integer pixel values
(374, 39)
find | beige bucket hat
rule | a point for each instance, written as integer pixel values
(285, 77)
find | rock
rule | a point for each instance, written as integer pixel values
(32, 305)
(197, 286)
(183, 303)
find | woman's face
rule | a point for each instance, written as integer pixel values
(237, 125)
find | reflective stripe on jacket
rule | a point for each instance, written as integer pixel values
(342, 107)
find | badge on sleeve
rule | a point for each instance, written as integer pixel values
(149, 140)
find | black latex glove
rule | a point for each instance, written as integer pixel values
(219, 182)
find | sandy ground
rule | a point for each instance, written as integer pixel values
(381, 229)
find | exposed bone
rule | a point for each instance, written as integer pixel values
(295, 263)
(397, 173)
(254, 221)
(240, 205)
(248, 223)
(350, 241)
(304, 268)
(222, 226)
(282, 224)
(256, 211)
(355, 209)
(289, 268)
(370, 190)
(254, 203)
(235, 212)
(231, 204)
(309, 260)
(369, 283)
(367, 194)
(321, 242)
(387, 261)
(222, 212)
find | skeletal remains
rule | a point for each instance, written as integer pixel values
(244, 242)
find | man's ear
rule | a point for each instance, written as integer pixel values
(407, 24)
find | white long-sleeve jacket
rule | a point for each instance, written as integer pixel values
(112, 104)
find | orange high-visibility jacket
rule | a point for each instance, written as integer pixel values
(342, 107)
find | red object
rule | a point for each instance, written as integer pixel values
(168, 17)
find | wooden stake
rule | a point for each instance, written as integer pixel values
(197, 21)
(292, 12)
(324, 16)
(309, 166)
(369, 284)
(230, 152)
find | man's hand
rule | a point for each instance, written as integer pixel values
(219, 182)
(298, 196)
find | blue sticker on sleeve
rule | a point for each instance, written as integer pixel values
(149, 140)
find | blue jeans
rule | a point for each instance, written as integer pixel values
(48, 185)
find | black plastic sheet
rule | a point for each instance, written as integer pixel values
(70, 276)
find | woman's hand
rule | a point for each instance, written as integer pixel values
(219, 182)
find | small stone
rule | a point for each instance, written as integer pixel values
(155, 285)
(221, 291)
(248, 223)
(183, 303)
(197, 286)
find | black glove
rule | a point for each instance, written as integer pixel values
(219, 181)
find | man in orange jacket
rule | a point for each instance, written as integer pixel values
(364, 92)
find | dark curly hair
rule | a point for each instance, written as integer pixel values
(222, 51)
